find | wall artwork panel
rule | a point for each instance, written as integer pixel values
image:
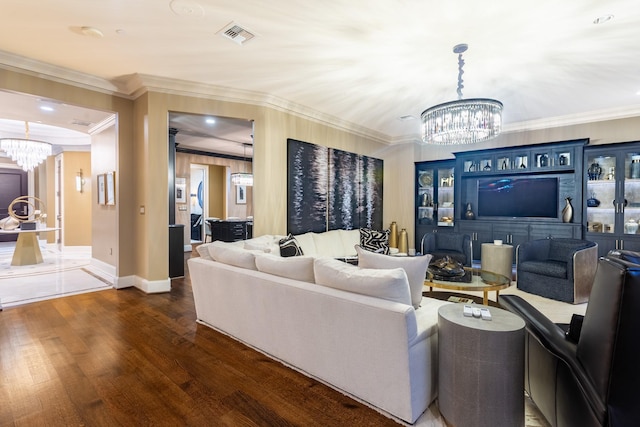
(332, 189)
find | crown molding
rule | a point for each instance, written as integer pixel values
(133, 85)
(138, 84)
(575, 119)
(31, 67)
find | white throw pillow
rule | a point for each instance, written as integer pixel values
(203, 251)
(389, 284)
(297, 267)
(228, 253)
(415, 267)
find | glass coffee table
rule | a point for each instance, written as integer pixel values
(480, 280)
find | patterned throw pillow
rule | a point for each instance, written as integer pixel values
(374, 241)
(289, 246)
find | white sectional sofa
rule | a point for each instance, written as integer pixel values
(378, 349)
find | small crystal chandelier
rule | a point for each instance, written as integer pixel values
(27, 153)
(465, 121)
(242, 178)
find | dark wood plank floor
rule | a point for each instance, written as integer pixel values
(125, 358)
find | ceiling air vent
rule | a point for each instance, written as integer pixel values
(236, 33)
(80, 122)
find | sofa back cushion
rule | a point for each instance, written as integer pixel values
(414, 267)
(307, 243)
(228, 253)
(297, 268)
(391, 284)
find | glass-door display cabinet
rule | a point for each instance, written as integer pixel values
(612, 196)
(434, 207)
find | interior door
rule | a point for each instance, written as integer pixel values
(13, 183)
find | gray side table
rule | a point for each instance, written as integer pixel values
(497, 259)
(480, 368)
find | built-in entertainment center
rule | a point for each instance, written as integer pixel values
(511, 194)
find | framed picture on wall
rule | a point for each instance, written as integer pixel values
(181, 190)
(241, 194)
(102, 194)
(111, 188)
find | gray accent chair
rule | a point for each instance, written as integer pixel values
(455, 245)
(560, 269)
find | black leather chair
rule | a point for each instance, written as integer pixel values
(454, 245)
(592, 380)
(560, 269)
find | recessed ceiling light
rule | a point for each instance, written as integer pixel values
(92, 32)
(602, 19)
(406, 118)
(46, 108)
(210, 121)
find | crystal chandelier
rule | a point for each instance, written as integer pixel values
(27, 153)
(465, 121)
(242, 178)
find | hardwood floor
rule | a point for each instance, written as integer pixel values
(112, 358)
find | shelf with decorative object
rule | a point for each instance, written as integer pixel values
(434, 197)
(612, 196)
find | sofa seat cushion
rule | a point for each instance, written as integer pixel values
(297, 268)
(547, 268)
(414, 267)
(391, 284)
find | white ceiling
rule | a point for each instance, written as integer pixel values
(363, 63)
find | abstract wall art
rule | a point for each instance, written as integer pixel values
(331, 189)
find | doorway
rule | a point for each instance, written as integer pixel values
(199, 195)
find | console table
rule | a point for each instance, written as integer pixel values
(27, 251)
(230, 230)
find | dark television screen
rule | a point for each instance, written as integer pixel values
(518, 197)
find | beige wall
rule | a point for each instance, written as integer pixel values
(104, 218)
(77, 219)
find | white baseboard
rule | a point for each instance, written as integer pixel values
(153, 287)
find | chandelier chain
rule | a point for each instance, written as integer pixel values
(460, 73)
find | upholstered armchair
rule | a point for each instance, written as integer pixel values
(588, 376)
(454, 245)
(560, 269)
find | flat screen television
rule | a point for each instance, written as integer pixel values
(533, 197)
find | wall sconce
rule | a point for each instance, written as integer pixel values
(79, 181)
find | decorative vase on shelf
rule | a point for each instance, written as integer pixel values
(403, 241)
(544, 161)
(567, 212)
(469, 213)
(393, 235)
(592, 202)
(594, 171)
(631, 227)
